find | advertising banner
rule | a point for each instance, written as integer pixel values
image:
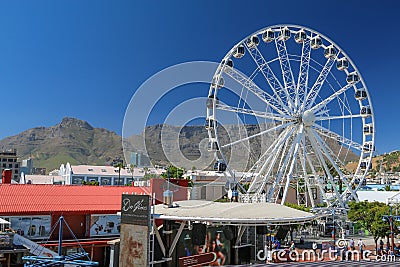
(105, 225)
(135, 223)
(135, 209)
(32, 227)
(215, 242)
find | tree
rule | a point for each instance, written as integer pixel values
(369, 216)
(132, 168)
(119, 165)
(173, 172)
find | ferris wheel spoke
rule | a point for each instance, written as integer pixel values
(255, 167)
(266, 115)
(323, 103)
(272, 155)
(280, 91)
(343, 140)
(258, 134)
(317, 151)
(350, 116)
(323, 146)
(303, 74)
(312, 95)
(328, 147)
(247, 83)
(287, 73)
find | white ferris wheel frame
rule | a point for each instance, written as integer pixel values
(285, 103)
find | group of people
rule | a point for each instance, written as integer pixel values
(386, 250)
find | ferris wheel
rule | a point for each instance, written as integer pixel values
(289, 114)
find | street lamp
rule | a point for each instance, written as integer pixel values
(333, 229)
(389, 218)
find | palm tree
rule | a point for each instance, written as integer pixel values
(119, 165)
(131, 168)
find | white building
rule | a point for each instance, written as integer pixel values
(104, 175)
(207, 185)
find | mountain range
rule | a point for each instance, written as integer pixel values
(76, 141)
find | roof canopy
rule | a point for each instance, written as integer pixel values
(24, 199)
(232, 213)
(2, 221)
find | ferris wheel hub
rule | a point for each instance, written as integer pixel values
(308, 118)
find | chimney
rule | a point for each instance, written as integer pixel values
(6, 176)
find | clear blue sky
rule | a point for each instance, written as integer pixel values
(85, 59)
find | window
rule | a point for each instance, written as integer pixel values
(105, 180)
(16, 165)
(4, 165)
(119, 181)
(77, 180)
(10, 165)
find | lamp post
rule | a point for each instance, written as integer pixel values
(333, 229)
(390, 218)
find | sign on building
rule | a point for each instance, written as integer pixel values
(135, 225)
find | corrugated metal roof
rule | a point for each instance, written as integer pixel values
(45, 199)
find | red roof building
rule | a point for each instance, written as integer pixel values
(38, 199)
(91, 211)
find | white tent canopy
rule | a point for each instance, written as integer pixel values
(2, 221)
(232, 213)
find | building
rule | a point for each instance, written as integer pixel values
(90, 211)
(207, 185)
(26, 166)
(136, 159)
(9, 160)
(41, 179)
(104, 175)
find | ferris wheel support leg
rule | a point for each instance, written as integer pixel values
(323, 163)
(338, 170)
(281, 172)
(270, 162)
(316, 177)
(290, 174)
(306, 179)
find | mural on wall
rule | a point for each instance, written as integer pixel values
(35, 226)
(105, 225)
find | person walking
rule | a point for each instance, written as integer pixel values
(315, 247)
(352, 247)
(381, 251)
(360, 245)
